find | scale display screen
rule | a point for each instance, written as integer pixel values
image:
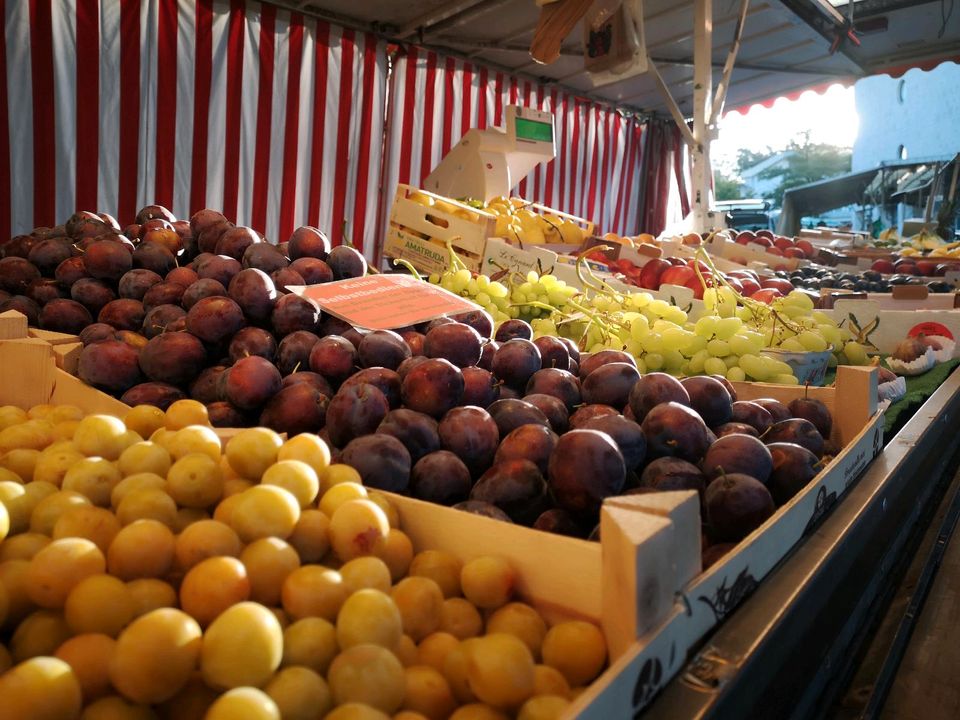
(533, 130)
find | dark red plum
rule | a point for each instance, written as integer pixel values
(251, 382)
(110, 365)
(382, 348)
(751, 414)
(294, 351)
(585, 467)
(628, 436)
(734, 428)
(796, 430)
(153, 256)
(16, 274)
(19, 246)
(224, 415)
(515, 486)
(252, 341)
(70, 270)
(214, 319)
(553, 408)
(738, 454)
(480, 387)
(793, 469)
(778, 411)
(255, 293)
(308, 241)
(414, 341)
(727, 384)
(285, 278)
(553, 353)
(534, 443)
(559, 383)
(234, 242)
(173, 358)
(674, 430)
(296, 409)
(456, 342)
(346, 262)
(610, 384)
(669, 473)
(385, 380)
(558, 522)
(487, 353)
(709, 398)
(515, 362)
(97, 332)
(572, 348)
(714, 553)
(220, 268)
(134, 339)
(292, 313)
(182, 276)
(47, 254)
(585, 413)
(510, 329)
(65, 316)
(208, 238)
(479, 320)
(24, 305)
(313, 270)
(589, 363)
(511, 413)
(135, 283)
(354, 411)
(440, 477)
(153, 212)
(158, 394)
(106, 260)
(201, 289)
(123, 314)
(355, 336)
(206, 387)
(411, 362)
(333, 357)
(312, 379)
(92, 294)
(330, 325)
(472, 434)
(655, 388)
(163, 294)
(736, 505)
(43, 291)
(433, 387)
(382, 461)
(418, 432)
(815, 411)
(478, 507)
(264, 256)
(203, 219)
(159, 318)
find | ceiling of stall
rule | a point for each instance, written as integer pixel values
(786, 44)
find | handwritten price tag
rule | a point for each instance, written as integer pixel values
(384, 302)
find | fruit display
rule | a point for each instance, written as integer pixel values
(147, 572)
(518, 221)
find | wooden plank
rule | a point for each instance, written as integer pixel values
(13, 325)
(26, 372)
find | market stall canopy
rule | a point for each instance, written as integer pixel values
(786, 44)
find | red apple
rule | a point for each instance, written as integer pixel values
(808, 249)
(744, 273)
(763, 241)
(775, 251)
(765, 233)
(674, 260)
(650, 273)
(783, 243)
(783, 286)
(750, 286)
(677, 275)
(766, 295)
(698, 287)
(883, 266)
(703, 266)
(745, 236)
(926, 267)
(795, 252)
(735, 284)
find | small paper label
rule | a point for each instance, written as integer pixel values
(384, 302)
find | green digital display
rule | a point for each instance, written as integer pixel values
(534, 130)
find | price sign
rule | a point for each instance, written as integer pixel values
(384, 302)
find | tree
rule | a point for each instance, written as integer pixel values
(807, 162)
(748, 158)
(726, 188)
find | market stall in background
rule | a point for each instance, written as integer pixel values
(396, 360)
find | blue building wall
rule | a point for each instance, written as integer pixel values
(919, 112)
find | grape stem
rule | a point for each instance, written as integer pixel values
(409, 267)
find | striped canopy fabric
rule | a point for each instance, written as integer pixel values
(275, 118)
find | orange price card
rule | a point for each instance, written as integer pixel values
(384, 302)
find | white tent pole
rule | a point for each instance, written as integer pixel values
(702, 174)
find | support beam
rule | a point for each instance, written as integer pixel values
(721, 96)
(460, 19)
(702, 174)
(435, 16)
(672, 106)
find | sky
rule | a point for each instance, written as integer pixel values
(830, 118)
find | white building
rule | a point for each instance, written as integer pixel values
(758, 185)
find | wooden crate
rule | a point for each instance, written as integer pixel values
(588, 226)
(418, 233)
